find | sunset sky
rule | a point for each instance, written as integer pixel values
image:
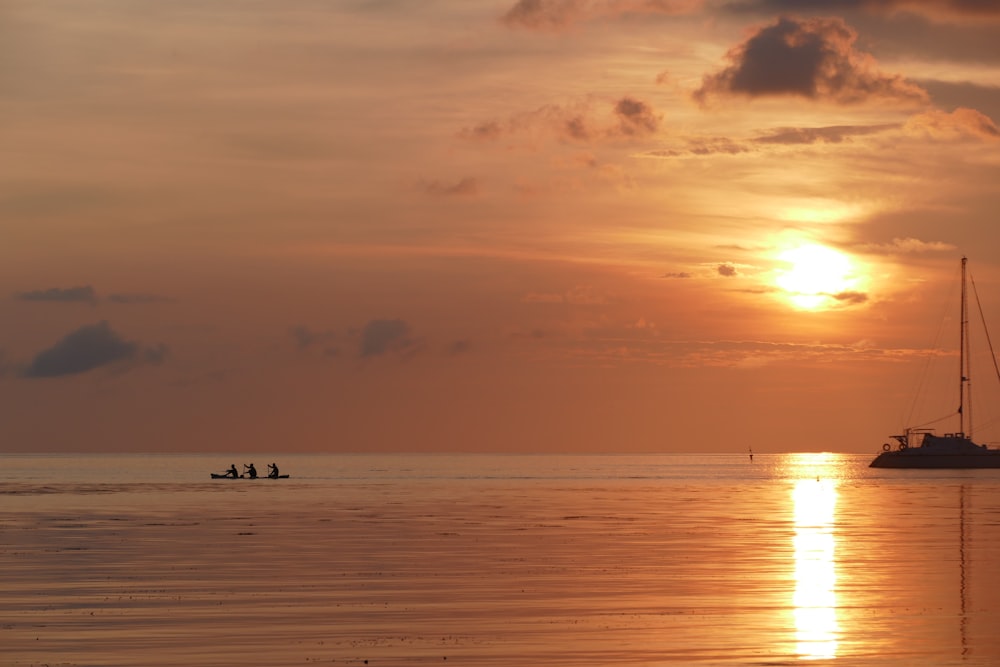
(489, 225)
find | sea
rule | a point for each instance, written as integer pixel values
(496, 561)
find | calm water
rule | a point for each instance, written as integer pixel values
(496, 561)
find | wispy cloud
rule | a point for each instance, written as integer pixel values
(381, 337)
(84, 294)
(908, 246)
(306, 338)
(959, 124)
(943, 10)
(560, 14)
(833, 134)
(87, 294)
(463, 188)
(581, 295)
(628, 118)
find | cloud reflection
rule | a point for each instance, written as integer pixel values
(815, 598)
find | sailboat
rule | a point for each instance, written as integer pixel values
(921, 447)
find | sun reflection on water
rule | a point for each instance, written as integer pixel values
(815, 598)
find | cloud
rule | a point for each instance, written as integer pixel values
(156, 354)
(87, 294)
(850, 297)
(84, 294)
(459, 347)
(727, 270)
(676, 274)
(89, 347)
(833, 134)
(959, 124)
(964, 94)
(559, 14)
(774, 138)
(702, 146)
(809, 58)
(487, 131)
(627, 118)
(305, 339)
(380, 337)
(909, 246)
(635, 117)
(465, 187)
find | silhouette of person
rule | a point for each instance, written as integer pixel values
(272, 470)
(251, 471)
(232, 472)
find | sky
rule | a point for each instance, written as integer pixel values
(490, 225)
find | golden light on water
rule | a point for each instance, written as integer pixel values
(815, 598)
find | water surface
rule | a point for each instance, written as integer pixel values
(497, 560)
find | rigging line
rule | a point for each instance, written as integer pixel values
(935, 421)
(982, 318)
(992, 420)
(919, 396)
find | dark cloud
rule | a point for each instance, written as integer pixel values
(676, 274)
(635, 117)
(809, 58)
(850, 297)
(84, 294)
(380, 337)
(87, 348)
(576, 128)
(726, 270)
(459, 347)
(465, 187)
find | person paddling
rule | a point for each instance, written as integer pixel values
(272, 470)
(251, 471)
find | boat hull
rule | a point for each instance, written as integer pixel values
(914, 458)
(218, 476)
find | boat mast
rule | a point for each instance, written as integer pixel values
(964, 388)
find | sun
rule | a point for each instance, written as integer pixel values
(816, 276)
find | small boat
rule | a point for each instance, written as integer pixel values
(216, 475)
(921, 448)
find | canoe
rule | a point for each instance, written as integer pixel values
(218, 476)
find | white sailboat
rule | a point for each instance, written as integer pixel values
(922, 448)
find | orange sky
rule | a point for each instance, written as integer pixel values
(488, 225)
